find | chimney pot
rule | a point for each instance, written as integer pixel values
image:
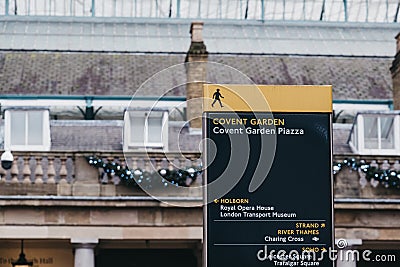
(196, 30)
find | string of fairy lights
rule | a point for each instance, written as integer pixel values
(139, 177)
(389, 178)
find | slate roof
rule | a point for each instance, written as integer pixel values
(340, 136)
(122, 74)
(79, 73)
(106, 135)
(352, 78)
(81, 135)
(172, 36)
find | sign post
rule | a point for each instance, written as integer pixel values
(268, 175)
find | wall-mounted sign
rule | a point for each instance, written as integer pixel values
(268, 175)
(41, 257)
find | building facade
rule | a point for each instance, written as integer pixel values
(65, 195)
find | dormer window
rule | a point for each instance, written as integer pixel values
(146, 129)
(27, 130)
(376, 134)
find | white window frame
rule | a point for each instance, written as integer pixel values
(46, 142)
(359, 147)
(128, 145)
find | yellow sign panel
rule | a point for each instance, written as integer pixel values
(264, 98)
(41, 257)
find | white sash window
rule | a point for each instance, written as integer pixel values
(146, 129)
(376, 134)
(27, 130)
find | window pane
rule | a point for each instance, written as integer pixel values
(371, 132)
(137, 129)
(387, 133)
(18, 129)
(155, 128)
(35, 128)
(354, 137)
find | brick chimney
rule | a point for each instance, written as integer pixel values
(395, 69)
(196, 72)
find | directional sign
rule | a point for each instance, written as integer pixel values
(268, 175)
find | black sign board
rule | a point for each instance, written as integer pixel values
(286, 219)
